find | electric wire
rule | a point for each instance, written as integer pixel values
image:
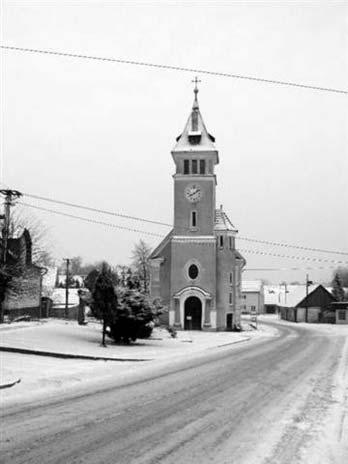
(134, 218)
(93, 221)
(172, 68)
(97, 210)
(257, 252)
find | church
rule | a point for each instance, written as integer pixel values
(196, 270)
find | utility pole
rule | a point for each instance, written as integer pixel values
(308, 283)
(9, 195)
(67, 287)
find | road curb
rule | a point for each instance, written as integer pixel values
(235, 343)
(67, 355)
(9, 385)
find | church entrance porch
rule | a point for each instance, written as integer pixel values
(192, 309)
(193, 314)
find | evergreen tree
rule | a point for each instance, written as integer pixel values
(104, 298)
(337, 289)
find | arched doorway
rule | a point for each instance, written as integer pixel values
(193, 313)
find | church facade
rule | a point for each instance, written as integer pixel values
(196, 270)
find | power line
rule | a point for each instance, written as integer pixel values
(134, 218)
(301, 258)
(97, 210)
(93, 221)
(298, 247)
(267, 269)
(172, 68)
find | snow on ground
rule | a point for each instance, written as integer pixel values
(47, 375)
(70, 338)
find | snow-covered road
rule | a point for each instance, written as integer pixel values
(276, 400)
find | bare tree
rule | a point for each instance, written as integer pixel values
(39, 233)
(140, 261)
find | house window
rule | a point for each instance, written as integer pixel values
(341, 315)
(186, 166)
(193, 219)
(194, 167)
(193, 271)
(230, 299)
(253, 308)
(231, 278)
(202, 166)
(230, 242)
(221, 241)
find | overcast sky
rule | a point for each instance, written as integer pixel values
(100, 134)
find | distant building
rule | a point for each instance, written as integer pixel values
(314, 307)
(196, 269)
(23, 297)
(252, 297)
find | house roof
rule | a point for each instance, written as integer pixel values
(319, 296)
(251, 286)
(289, 296)
(284, 295)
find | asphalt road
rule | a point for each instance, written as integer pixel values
(257, 402)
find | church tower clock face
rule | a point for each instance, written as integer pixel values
(193, 193)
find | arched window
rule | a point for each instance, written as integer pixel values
(193, 271)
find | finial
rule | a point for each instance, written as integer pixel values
(195, 90)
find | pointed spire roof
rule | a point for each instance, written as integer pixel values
(223, 222)
(195, 136)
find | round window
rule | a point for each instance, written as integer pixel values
(193, 271)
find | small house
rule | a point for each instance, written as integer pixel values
(252, 297)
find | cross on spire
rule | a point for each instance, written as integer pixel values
(195, 81)
(195, 90)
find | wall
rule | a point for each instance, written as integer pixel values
(252, 299)
(338, 321)
(312, 315)
(226, 264)
(289, 314)
(205, 207)
(201, 254)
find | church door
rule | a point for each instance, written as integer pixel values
(229, 321)
(193, 313)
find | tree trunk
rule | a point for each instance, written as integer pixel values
(104, 330)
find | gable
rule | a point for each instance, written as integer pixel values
(319, 297)
(157, 251)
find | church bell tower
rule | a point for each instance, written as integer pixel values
(195, 157)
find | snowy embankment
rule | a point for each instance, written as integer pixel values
(45, 375)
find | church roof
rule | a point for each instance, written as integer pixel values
(158, 250)
(195, 136)
(222, 221)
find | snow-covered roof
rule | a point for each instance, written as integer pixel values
(287, 296)
(222, 221)
(58, 296)
(251, 286)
